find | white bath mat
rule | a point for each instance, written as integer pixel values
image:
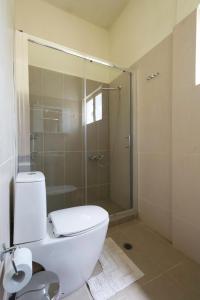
(118, 272)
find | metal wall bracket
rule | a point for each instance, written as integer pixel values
(11, 251)
(153, 75)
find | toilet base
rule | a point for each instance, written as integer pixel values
(73, 259)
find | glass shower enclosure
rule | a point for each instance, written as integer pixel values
(80, 130)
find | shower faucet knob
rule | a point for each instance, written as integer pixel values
(95, 157)
(100, 156)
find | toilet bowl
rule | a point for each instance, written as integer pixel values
(68, 242)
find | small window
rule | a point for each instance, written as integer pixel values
(90, 111)
(98, 107)
(94, 109)
(198, 47)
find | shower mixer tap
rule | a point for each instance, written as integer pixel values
(100, 156)
(96, 157)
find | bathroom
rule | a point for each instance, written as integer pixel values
(100, 103)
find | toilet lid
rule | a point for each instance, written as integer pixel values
(72, 221)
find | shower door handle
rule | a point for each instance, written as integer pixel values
(129, 141)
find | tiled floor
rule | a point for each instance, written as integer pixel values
(169, 275)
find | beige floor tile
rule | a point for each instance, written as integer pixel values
(151, 253)
(165, 288)
(117, 235)
(187, 275)
(162, 288)
(144, 262)
(169, 275)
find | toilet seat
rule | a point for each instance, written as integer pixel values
(77, 220)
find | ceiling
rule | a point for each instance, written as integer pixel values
(99, 12)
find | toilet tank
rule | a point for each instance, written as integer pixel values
(30, 211)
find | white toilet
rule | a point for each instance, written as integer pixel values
(68, 242)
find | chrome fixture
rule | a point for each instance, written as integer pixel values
(129, 141)
(96, 157)
(101, 88)
(11, 251)
(111, 88)
(153, 75)
(57, 47)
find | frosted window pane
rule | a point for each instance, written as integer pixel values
(90, 111)
(98, 107)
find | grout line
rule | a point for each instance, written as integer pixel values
(181, 262)
(163, 273)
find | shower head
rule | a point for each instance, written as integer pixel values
(100, 88)
(119, 87)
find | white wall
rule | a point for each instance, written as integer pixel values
(143, 24)
(168, 139)
(7, 118)
(48, 22)
(184, 8)
(57, 61)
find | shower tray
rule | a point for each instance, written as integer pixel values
(60, 189)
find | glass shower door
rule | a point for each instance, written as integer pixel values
(57, 127)
(108, 142)
(80, 130)
(120, 142)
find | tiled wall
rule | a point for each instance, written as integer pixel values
(56, 128)
(186, 140)
(7, 120)
(154, 137)
(169, 140)
(57, 140)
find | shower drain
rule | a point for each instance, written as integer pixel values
(127, 246)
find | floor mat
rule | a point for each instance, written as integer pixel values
(118, 272)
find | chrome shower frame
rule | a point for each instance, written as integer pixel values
(133, 162)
